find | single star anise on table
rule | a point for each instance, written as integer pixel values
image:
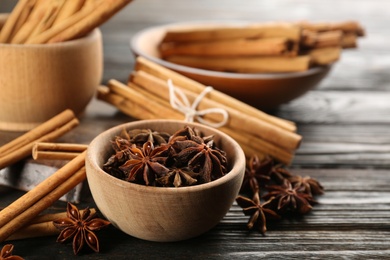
(307, 184)
(258, 212)
(80, 227)
(285, 197)
(6, 253)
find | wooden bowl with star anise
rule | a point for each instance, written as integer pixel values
(164, 180)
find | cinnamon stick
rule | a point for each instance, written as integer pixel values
(102, 13)
(33, 20)
(345, 26)
(9, 25)
(235, 47)
(26, 142)
(124, 105)
(24, 217)
(59, 27)
(39, 131)
(322, 39)
(25, 151)
(53, 216)
(325, 56)
(41, 226)
(259, 146)
(196, 87)
(214, 33)
(68, 9)
(41, 190)
(57, 151)
(245, 65)
(349, 40)
(53, 8)
(34, 231)
(27, 10)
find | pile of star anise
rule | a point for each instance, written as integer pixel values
(154, 158)
(270, 192)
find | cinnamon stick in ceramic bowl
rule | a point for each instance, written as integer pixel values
(236, 47)
(245, 64)
(214, 33)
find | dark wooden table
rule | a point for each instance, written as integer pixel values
(345, 125)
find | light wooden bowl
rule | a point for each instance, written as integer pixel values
(39, 81)
(160, 213)
(265, 91)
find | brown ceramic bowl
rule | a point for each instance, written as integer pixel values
(262, 90)
(162, 213)
(39, 81)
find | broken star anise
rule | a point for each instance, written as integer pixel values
(6, 253)
(80, 227)
(258, 212)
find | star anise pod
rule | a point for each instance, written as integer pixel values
(145, 163)
(279, 173)
(257, 172)
(122, 154)
(289, 198)
(187, 133)
(80, 227)
(141, 136)
(258, 212)
(201, 157)
(119, 143)
(6, 253)
(178, 177)
(307, 184)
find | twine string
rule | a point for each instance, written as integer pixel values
(180, 102)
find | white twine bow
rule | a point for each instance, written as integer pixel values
(189, 110)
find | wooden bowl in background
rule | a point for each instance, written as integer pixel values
(161, 213)
(262, 90)
(39, 81)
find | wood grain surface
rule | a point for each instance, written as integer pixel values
(344, 122)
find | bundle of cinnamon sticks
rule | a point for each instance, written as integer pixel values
(147, 96)
(50, 21)
(267, 47)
